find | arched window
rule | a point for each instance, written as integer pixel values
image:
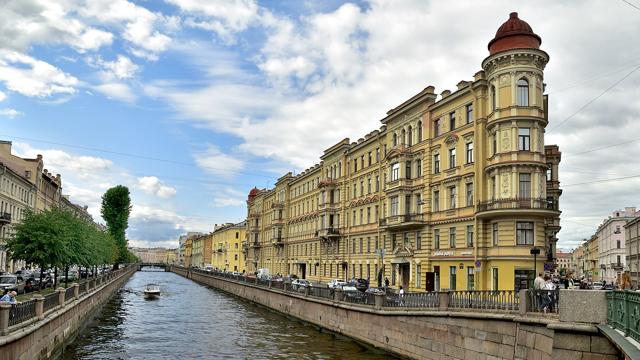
(395, 139)
(522, 92)
(404, 136)
(493, 97)
(410, 137)
(419, 131)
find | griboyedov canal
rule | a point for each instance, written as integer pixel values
(190, 321)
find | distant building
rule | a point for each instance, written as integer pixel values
(151, 255)
(563, 263)
(227, 247)
(632, 244)
(611, 243)
(78, 210)
(182, 242)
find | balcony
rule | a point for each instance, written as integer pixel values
(328, 233)
(277, 205)
(256, 244)
(401, 183)
(278, 222)
(617, 265)
(245, 247)
(277, 241)
(221, 250)
(328, 183)
(254, 228)
(519, 205)
(406, 221)
(5, 218)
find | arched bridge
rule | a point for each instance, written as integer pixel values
(161, 265)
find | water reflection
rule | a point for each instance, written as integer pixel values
(189, 321)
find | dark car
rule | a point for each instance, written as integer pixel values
(362, 284)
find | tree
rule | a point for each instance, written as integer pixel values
(116, 207)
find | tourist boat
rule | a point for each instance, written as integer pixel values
(152, 291)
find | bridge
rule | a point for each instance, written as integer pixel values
(145, 264)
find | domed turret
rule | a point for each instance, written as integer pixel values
(514, 34)
(252, 194)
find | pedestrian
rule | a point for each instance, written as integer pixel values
(538, 282)
(537, 295)
(386, 282)
(548, 295)
(9, 297)
(401, 295)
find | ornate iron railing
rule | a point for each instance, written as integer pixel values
(518, 203)
(22, 312)
(321, 292)
(413, 300)
(68, 294)
(623, 312)
(50, 301)
(484, 299)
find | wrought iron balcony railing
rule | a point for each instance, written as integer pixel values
(5, 217)
(518, 203)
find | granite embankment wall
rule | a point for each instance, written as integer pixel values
(45, 338)
(432, 334)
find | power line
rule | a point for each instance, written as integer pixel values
(595, 98)
(603, 180)
(144, 157)
(630, 4)
(603, 147)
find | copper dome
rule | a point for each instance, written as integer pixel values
(514, 34)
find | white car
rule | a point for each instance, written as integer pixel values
(597, 285)
(336, 283)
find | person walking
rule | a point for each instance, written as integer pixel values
(386, 282)
(538, 283)
(548, 295)
(401, 295)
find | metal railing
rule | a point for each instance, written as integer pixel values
(518, 203)
(359, 298)
(69, 294)
(484, 299)
(622, 312)
(545, 301)
(5, 217)
(22, 312)
(413, 300)
(50, 301)
(83, 287)
(321, 292)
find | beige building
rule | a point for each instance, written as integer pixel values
(227, 243)
(632, 244)
(77, 210)
(156, 255)
(453, 190)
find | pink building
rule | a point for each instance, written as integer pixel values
(611, 244)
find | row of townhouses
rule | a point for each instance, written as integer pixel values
(220, 249)
(26, 185)
(457, 191)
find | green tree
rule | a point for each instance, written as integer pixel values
(116, 207)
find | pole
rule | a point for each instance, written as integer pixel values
(535, 264)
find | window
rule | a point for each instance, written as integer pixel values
(618, 244)
(410, 137)
(469, 235)
(524, 139)
(419, 131)
(522, 92)
(494, 144)
(524, 233)
(470, 278)
(469, 153)
(436, 127)
(418, 271)
(394, 206)
(469, 113)
(523, 279)
(361, 243)
(469, 194)
(368, 185)
(369, 158)
(395, 139)
(525, 186)
(377, 183)
(361, 188)
(452, 121)
(354, 246)
(452, 197)
(494, 279)
(493, 97)
(407, 169)
(452, 237)
(395, 172)
(436, 201)
(362, 161)
(452, 158)
(452, 277)
(355, 165)
(355, 191)
(418, 168)
(377, 154)
(436, 239)
(549, 172)
(368, 215)
(436, 163)
(494, 234)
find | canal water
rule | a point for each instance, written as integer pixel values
(190, 321)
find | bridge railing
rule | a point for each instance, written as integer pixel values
(623, 308)
(489, 300)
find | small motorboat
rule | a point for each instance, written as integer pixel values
(152, 291)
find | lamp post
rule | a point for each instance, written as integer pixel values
(535, 252)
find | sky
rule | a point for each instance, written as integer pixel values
(191, 103)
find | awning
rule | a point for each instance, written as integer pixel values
(400, 261)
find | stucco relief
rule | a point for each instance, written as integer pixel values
(506, 140)
(504, 79)
(505, 185)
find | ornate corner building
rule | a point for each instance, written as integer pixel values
(452, 192)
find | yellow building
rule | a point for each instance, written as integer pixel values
(591, 259)
(454, 191)
(227, 243)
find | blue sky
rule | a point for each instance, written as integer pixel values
(196, 101)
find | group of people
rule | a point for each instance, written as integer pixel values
(545, 292)
(9, 296)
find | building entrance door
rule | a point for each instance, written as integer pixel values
(430, 281)
(404, 273)
(303, 271)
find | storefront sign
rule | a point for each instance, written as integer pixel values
(443, 253)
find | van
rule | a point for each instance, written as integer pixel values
(263, 273)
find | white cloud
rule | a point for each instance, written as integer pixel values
(35, 78)
(10, 113)
(152, 185)
(228, 197)
(117, 91)
(214, 161)
(122, 68)
(224, 17)
(2, 96)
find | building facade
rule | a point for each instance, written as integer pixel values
(563, 263)
(227, 241)
(452, 192)
(632, 245)
(612, 252)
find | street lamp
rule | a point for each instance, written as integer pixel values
(535, 252)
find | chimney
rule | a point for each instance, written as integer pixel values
(462, 84)
(445, 93)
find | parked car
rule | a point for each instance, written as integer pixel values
(362, 284)
(352, 294)
(12, 283)
(300, 284)
(608, 286)
(597, 285)
(336, 283)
